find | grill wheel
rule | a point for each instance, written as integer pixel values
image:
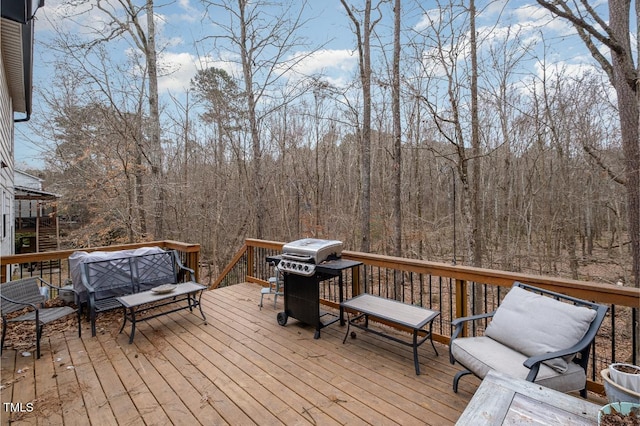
(282, 318)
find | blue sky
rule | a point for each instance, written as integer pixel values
(181, 29)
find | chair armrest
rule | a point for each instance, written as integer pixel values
(58, 287)
(583, 346)
(18, 302)
(458, 323)
(533, 363)
(530, 362)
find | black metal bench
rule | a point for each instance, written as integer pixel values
(105, 280)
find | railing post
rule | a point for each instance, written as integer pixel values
(193, 262)
(356, 285)
(250, 261)
(461, 302)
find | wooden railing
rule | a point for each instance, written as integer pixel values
(458, 291)
(20, 265)
(455, 291)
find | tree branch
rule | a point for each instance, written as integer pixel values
(568, 14)
(615, 177)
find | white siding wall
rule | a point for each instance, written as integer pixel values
(26, 180)
(7, 222)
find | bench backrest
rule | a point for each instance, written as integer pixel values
(108, 278)
(130, 274)
(25, 290)
(151, 270)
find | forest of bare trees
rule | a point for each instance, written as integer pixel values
(506, 161)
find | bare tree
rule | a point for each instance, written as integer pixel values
(363, 31)
(476, 235)
(265, 37)
(104, 87)
(504, 61)
(397, 131)
(624, 76)
(122, 20)
(440, 53)
(126, 18)
(293, 166)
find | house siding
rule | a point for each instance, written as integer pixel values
(7, 246)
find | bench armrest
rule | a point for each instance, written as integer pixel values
(192, 273)
(85, 279)
(182, 267)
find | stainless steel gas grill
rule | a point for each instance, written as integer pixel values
(305, 263)
(301, 256)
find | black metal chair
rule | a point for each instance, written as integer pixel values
(25, 293)
(535, 334)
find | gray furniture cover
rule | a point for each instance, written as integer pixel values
(77, 258)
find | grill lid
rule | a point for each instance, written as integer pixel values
(301, 256)
(312, 250)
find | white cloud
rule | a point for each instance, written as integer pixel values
(428, 19)
(536, 18)
(562, 69)
(188, 13)
(335, 65)
(182, 67)
(324, 60)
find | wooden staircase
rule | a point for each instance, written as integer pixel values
(48, 241)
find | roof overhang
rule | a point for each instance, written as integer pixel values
(23, 192)
(17, 51)
(21, 11)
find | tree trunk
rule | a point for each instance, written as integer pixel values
(365, 142)
(363, 36)
(476, 238)
(397, 134)
(625, 81)
(139, 178)
(154, 130)
(256, 149)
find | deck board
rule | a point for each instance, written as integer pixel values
(240, 367)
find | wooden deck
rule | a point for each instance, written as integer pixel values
(240, 368)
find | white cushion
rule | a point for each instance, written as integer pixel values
(483, 354)
(533, 324)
